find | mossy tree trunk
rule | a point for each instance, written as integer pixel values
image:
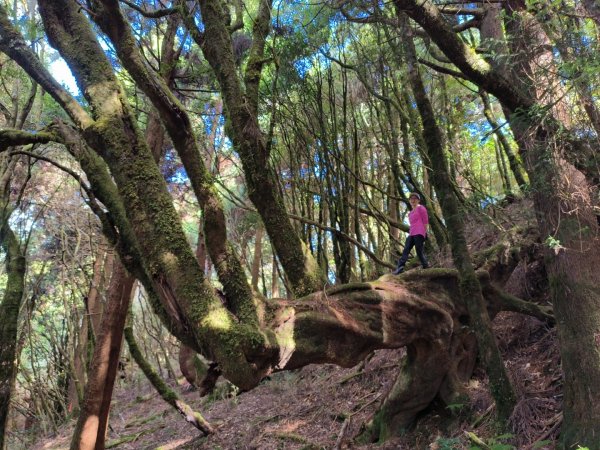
(340, 326)
(573, 241)
(14, 259)
(179, 126)
(9, 311)
(187, 298)
(560, 176)
(241, 108)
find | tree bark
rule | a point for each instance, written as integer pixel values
(171, 263)
(257, 257)
(500, 384)
(178, 125)
(90, 431)
(340, 325)
(89, 329)
(9, 311)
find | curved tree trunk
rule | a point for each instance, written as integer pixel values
(340, 325)
(178, 124)
(195, 313)
(422, 310)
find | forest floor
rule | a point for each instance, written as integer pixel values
(324, 406)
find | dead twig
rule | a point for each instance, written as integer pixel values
(342, 434)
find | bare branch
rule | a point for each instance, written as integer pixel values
(442, 69)
(156, 14)
(343, 235)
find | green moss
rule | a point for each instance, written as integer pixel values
(217, 319)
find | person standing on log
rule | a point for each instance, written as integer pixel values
(419, 220)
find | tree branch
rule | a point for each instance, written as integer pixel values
(473, 66)
(442, 69)
(13, 44)
(156, 14)
(344, 236)
(12, 138)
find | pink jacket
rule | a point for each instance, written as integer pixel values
(418, 218)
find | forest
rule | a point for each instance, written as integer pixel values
(204, 199)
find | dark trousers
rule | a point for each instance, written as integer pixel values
(417, 241)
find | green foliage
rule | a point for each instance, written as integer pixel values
(454, 408)
(449, 443)
(553, 243)
(493, 443)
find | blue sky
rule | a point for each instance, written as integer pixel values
(61, 72)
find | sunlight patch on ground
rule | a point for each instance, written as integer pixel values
(173, 444)
(287, 426)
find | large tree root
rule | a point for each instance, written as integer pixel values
(421, 376)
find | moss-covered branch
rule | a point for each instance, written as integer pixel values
(166, 393)
(256, 59)
(509, 302)
(477, 69)
(187, 298)
(11, 138)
